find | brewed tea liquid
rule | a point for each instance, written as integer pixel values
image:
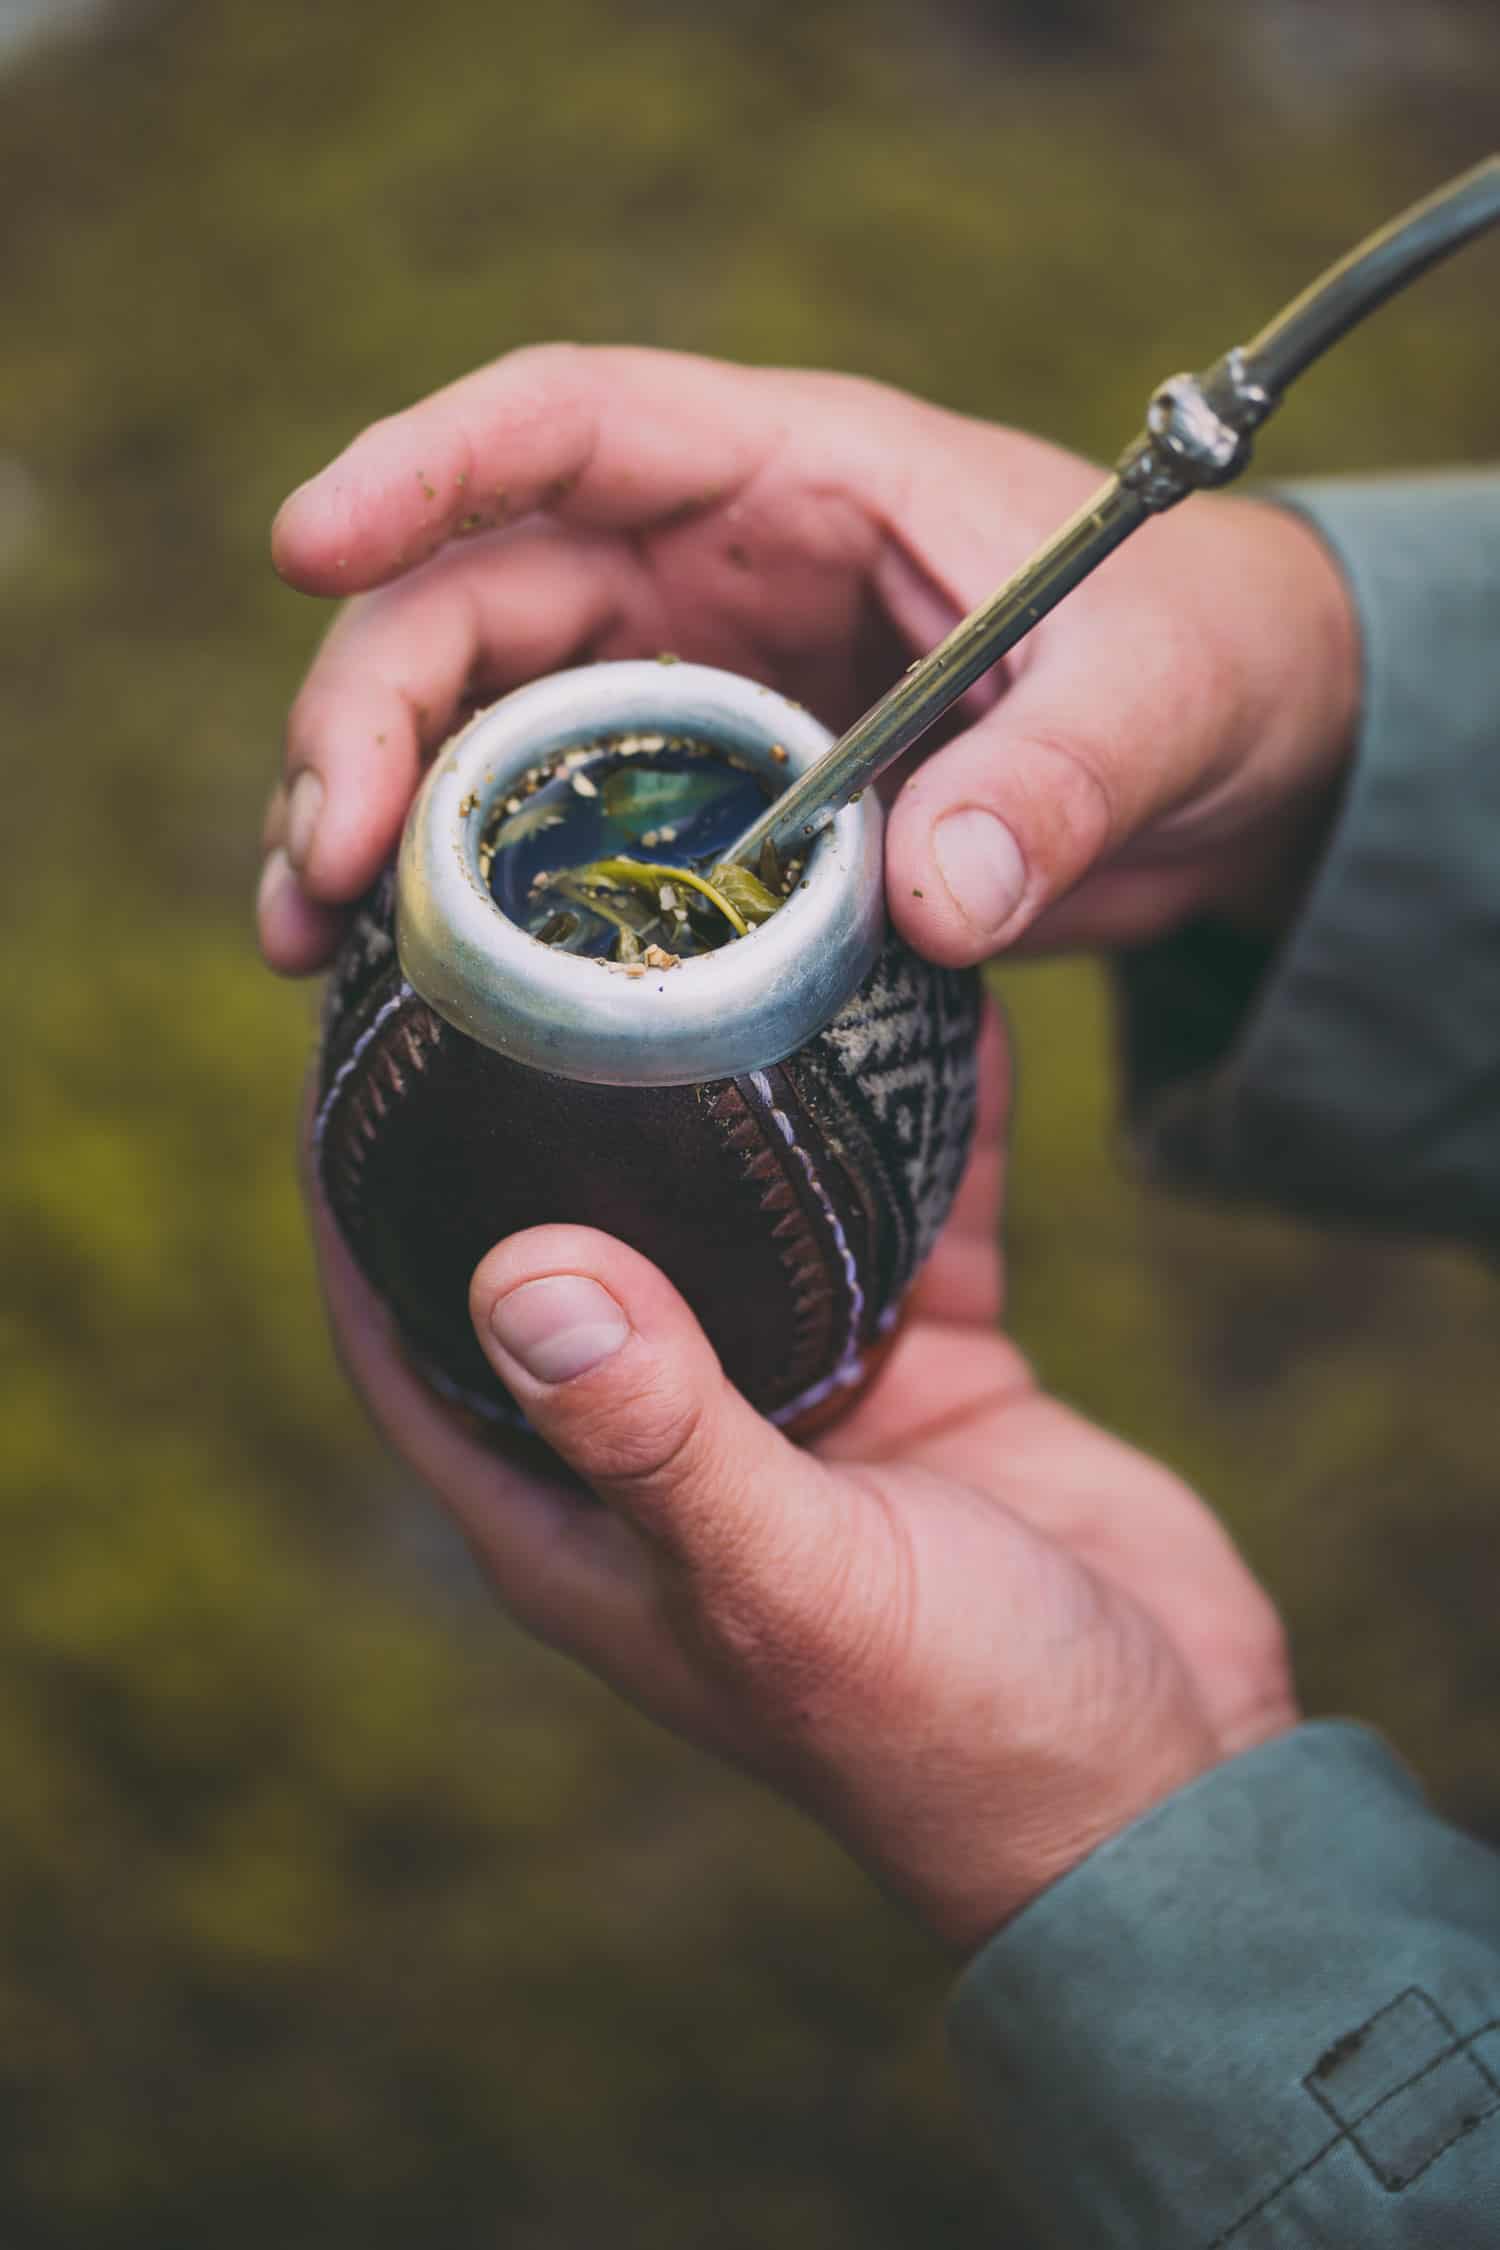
(643, 799)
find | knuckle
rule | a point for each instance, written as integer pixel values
(1079, 809)
(549, 373)
(837, 389)
(652, 1435)
(385, 429)
(866, 440)
(551, 355)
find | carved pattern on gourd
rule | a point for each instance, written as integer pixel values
(894, 1081)
(391, 1051)
(807, 1259)
(365, 973)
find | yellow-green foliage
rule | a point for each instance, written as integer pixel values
(329, 1911)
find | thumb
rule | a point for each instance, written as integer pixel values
(613, 1371)
(1203, 687)
(1002, 822)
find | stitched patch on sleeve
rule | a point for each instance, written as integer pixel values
(1399, 2088)
(1381, 2054)
(1402, 2087)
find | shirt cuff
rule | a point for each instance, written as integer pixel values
(1354, 1073)
(1267, 2014)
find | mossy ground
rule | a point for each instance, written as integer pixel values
(329, 1910)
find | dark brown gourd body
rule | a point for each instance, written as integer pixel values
(791, 1206)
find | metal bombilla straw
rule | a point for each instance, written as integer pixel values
(1197, 434)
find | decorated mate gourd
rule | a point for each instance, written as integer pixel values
(558, 1005)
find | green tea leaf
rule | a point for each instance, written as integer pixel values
(531, 820)
(640, 798)
(611, 902)
(649, 877)
(745, 891)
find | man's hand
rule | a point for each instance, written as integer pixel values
(970, 1634)
(1168, 741)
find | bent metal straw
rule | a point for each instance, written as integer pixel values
(1198, 433)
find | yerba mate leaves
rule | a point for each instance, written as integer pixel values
(671, 906)
(745, 892)
(652, 877)
(645, 800)
(631, 918)
(531, 820)
(627, 838)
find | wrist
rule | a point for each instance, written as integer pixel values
(1302, 662)
(1071, 1798)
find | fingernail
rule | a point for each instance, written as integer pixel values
(303, 807)
(276, 877)
(273, 831)
(560, 1327)
(980, 861)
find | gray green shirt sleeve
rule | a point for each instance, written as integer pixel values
(1357, 1072)
(1267, 2016)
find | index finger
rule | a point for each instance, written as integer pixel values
(608, 438)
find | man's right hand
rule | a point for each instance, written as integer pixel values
(1168, 742)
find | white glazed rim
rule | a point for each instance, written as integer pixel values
(713, 1016)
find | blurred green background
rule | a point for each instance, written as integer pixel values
(330, 1910)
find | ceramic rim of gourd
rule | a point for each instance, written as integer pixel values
(714, 1015)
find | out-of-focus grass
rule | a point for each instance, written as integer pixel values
(328, 1909)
